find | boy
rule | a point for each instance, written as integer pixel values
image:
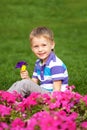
(49, 70)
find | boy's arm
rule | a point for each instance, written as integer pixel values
(57, 85)
(25, 75)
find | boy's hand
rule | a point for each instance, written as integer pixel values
(57, 85)
(24, 74)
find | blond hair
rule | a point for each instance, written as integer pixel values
(41, 31)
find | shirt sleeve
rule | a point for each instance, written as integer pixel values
(57, 72)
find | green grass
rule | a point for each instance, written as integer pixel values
(67, 19)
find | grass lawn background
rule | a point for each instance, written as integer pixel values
(67, 19)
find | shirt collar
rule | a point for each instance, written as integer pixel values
(51, 57)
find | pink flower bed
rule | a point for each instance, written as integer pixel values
(58, 111)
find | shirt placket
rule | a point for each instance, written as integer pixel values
(42, 72)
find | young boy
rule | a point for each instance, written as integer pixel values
(49, 70)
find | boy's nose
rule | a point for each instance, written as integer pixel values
(40, 48)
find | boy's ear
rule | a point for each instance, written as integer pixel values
(53, 44)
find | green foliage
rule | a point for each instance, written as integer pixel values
(67, 19)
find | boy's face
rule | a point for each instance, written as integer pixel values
(42, 47)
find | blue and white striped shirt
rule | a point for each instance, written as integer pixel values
(54, 69)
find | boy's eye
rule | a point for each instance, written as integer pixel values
(44, 45)
(35, 46)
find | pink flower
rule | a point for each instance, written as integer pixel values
(18, 122)
(43, 120)
(71, 87)
(4, 110)
(69, 125)
(46, 98)
(32, 123)
(54, 105)
(18, 96)
(51, 121)
(57, 111)
(29, 101)
(66, 121)
(33, 96)
(85, 99)
(73, 116)
(9, 97)
(3, 125)
(84, 124)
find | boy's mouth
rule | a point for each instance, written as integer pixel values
(41, 54)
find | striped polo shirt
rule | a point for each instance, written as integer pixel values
(54, 69)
